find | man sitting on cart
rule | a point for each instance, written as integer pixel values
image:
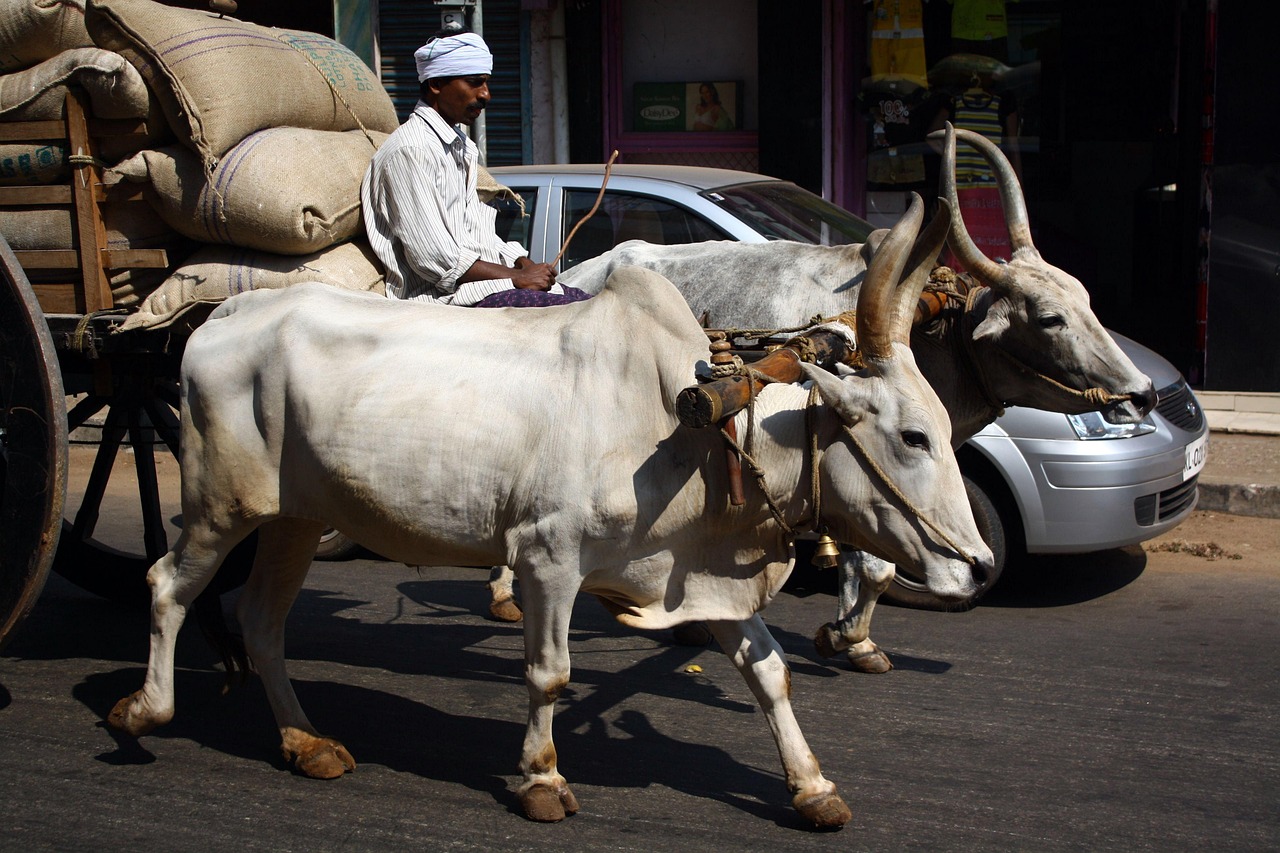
(426, 224)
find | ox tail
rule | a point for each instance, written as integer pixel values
(229, 645)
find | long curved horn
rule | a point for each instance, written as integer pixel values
(962, 244)
(920, 263)
(875, 320)
(1011, 199)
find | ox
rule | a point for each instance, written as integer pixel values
(1026, 336)
(310, 406)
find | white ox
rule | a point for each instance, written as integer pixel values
(546, 439)
(1026, 337)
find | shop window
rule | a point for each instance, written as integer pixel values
(682, 85)
(975, 63)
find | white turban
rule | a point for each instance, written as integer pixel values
(453, 56)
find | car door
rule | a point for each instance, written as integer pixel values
(624, 215)
(554, 206)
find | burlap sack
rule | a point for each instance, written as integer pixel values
(32, 31)
(130, 287)
(115, 91)
(32, 163)
(284, 190)
(216, 272)
(114, 87)
(219, 79)
(130, 225)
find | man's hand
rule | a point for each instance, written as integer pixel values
(525, 275)
(530, 276)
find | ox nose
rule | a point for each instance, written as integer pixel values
(1143, 399)
(981, 571)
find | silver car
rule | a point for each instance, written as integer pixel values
(1040, 482)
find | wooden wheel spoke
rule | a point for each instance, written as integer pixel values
(113, 432)
(165, 423)
(80, 413)
(155, 541)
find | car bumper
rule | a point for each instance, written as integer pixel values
(1074, 499)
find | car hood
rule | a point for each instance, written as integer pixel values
(1022, 422)
(1162, 373)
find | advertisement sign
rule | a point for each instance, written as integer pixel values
(702, 106)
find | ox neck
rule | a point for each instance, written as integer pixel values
(954, 363)
(772, 478)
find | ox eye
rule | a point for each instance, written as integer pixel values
(1052, 321)
(913, 438)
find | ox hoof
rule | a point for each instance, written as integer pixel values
(506, 610)
(122, 719)
(547, 804)
(323, 758)
(692, 634)
(828, 641)
(826, 811)
(873, 662)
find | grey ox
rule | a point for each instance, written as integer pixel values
(1026, 337)
(473, 437)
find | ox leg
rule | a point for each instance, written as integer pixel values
(502, 596)
(175, 580)
(544, 794)
(285, 549)
(863, 579)
(759, 658)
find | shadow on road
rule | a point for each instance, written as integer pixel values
(447, 724)
(1052, 580)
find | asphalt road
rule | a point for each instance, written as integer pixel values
(1120, 701)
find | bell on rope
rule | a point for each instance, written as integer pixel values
(827, 554)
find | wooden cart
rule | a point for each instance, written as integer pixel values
(63, 363)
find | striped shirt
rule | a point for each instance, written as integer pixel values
(423, 217)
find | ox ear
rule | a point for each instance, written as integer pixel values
(996, 323)
(836, 392)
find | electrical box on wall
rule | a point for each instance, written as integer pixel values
(454, 14)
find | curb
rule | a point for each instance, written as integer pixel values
(1257, 500)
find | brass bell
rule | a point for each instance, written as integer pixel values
(827, 554)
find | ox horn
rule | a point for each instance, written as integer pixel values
(877, 322)
(1012, 202)
(920, 263)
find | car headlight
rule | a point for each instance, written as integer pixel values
(1091, 426)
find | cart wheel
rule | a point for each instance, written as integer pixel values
(140, 421)
(33, 446)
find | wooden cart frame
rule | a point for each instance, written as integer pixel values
(59, 338)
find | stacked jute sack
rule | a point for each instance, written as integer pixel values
(252, 172)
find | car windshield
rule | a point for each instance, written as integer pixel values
(783, 211)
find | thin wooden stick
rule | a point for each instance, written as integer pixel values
(599, 196)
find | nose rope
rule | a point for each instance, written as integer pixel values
(911, 507)
(1096, 396)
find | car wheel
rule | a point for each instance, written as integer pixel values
(908, 588)
(336, 546)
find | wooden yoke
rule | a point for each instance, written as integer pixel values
(700, 406)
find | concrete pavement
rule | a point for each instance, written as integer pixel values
(1242, 474)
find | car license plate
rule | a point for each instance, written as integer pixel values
(1197, 454)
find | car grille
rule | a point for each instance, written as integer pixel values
(1150, 509)
(1179, 406)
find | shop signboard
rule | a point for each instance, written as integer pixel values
(706, 105)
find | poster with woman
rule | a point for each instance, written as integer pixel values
(711, 105)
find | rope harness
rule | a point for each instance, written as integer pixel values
(814, 520)
(948, 293)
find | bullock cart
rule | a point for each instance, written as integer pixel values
(64, 365)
